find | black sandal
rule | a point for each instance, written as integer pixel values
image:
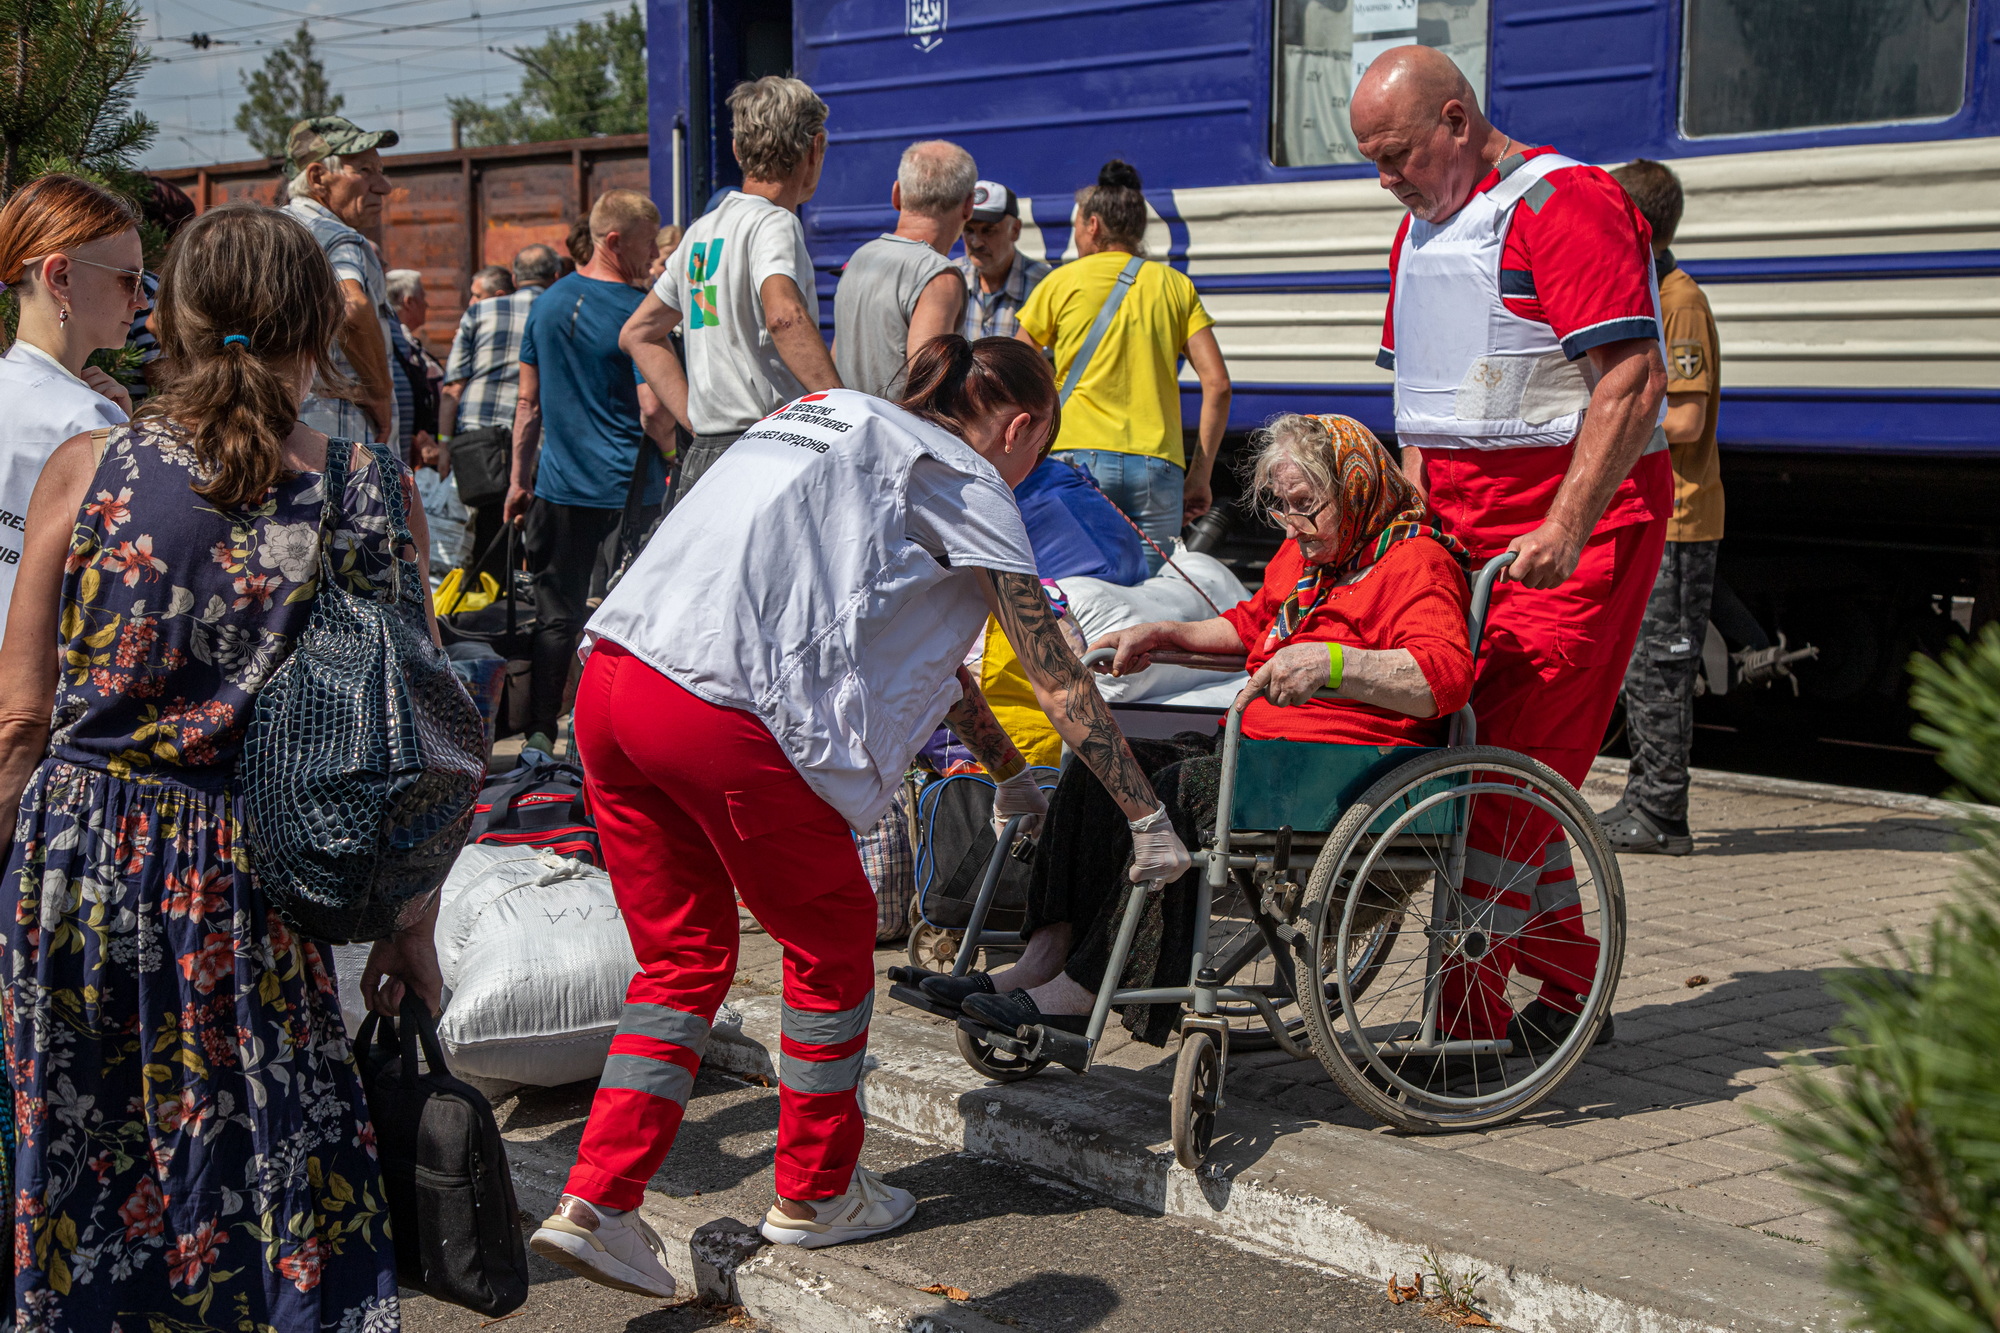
(953, 991)
(1015, 1010)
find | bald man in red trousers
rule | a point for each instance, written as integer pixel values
(1524, 332)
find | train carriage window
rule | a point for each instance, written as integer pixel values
(1324, 47)
(1760, 66)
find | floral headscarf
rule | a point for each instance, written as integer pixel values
(1379, 507)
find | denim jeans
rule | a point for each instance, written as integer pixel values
(1147, 489)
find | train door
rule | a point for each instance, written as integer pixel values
(730, 41)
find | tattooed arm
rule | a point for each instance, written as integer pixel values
(1065, 690)
(972, 721)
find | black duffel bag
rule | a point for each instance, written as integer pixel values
(452, 1211)
(539, 803)
(506, 624)
(483, 461)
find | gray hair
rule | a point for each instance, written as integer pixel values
(496, 278)
(299, 188)
(937, 176)
(1297, 439)
(775, 120)
(402, 283)
(535, 263)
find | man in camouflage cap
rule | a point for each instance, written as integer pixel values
(337, 188)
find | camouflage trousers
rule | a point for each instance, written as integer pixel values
(1659, 684)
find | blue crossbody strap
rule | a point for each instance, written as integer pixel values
(1126, 277)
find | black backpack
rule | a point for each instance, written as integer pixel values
(538, 803)
(955, 843)
(452, 1212)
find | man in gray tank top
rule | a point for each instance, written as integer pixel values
(899, 291)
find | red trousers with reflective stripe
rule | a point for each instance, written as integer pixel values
(1550, 668)
(694, 805)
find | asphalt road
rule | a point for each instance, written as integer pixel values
(1048, 1258)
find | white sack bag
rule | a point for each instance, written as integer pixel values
(1100, 608)
(474, 860)
(535, 961)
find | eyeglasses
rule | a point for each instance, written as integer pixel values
(134, 279)
(1305, 518)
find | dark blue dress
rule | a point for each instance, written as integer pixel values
(194, 1148)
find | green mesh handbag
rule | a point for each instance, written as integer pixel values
(364, 752)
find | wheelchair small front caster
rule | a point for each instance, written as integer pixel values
(998, 1064)
(1197, 1097)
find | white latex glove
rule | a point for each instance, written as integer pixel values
(1018, 795)
(1157, 851)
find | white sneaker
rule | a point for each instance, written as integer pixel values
(870, 1207)
(618, 1251)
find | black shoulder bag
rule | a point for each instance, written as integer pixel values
(364, 753)
(452, 1211)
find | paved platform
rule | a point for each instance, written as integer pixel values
(991, 1249)
(1784, 889)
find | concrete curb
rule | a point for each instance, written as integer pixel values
(1556, 1258)
(782, 1287)
(1610, 769)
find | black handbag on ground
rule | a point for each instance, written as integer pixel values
(452, 1211)
(483, 462)
(364, 752)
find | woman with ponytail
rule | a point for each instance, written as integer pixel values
(756, 688)
(194, 1148)
(1121, 392)
(70, 255)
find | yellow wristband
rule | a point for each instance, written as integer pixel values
(1336, 659)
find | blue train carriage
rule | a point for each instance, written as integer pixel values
(1843, 178)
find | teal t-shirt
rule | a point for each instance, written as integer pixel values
(591, 436)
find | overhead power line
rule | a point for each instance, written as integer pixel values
(376, 29)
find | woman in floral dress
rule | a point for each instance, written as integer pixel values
(194, 1148)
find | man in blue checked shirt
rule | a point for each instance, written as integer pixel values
(998, 277)
(482, 379)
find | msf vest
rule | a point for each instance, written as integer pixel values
(1470, 373)
(783, 584)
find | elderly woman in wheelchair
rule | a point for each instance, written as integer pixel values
(1366, 600)
(1401, 956)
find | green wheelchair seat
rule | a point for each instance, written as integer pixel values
(1309, 784)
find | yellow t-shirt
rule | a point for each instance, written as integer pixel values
(1129, 400)
(1693, 366)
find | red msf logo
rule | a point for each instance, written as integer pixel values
(779, 411)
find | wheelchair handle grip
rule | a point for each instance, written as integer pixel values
(1482, 597)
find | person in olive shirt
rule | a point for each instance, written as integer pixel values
(1659, 684)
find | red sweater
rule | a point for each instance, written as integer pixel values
(1414, 597)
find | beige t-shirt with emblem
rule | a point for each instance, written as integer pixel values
(1693, 367)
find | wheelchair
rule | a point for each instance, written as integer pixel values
(1345, 913)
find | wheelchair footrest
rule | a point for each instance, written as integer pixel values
(999, 1041)
(916, 999)
(1069, 1049)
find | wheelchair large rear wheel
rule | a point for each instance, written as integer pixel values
(1502, 892)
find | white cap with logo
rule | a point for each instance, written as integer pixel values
(992, 201)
